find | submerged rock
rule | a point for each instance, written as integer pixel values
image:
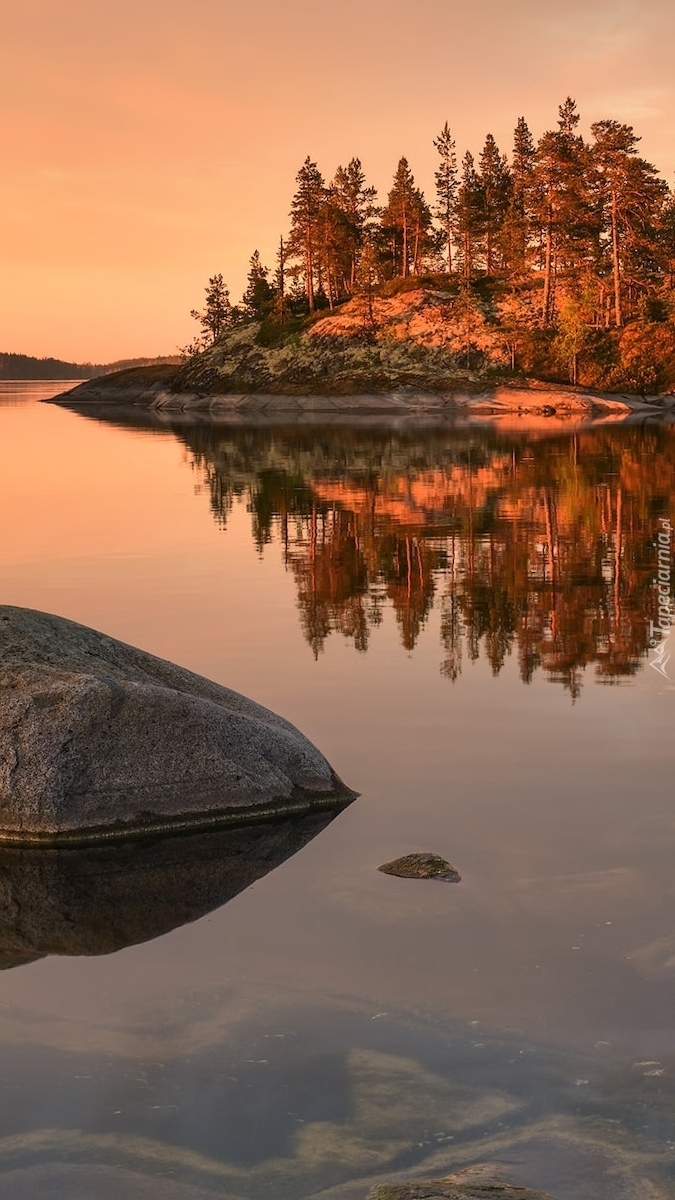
(471, 1184)
(100, 739)
(422, 865)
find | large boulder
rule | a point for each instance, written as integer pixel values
(99, 739)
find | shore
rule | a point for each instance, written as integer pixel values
(545, 403)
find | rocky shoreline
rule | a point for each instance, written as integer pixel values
(533, 401)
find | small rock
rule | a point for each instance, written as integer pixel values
(422, 865)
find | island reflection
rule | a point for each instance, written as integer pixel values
(542, 548)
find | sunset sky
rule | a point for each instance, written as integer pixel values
(148, 144)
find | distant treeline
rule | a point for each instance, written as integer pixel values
(23, 366)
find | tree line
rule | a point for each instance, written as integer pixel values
(589, 224)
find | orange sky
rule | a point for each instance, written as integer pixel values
(150, 143)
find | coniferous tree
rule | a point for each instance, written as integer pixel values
(494, 180)
(280, 282)
(517, 227)
(217, 314)
(406, 222)
(258, 299)
(632, 199)
(469, 215)
(667, 238)
(353, 202)
(447, 184)
(563, 207)
(306, 213)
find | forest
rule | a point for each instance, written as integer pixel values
(565, 246)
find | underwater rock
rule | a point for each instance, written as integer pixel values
(471, 1184)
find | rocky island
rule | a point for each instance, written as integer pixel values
(419, 348)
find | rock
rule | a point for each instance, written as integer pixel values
(422, 865)
(99, 739)
(471, 1184)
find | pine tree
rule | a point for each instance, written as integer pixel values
(517, 227)
(217, 313)
(306, 211)
(632, 199)
(258, 299)
(280, 282)
(469, 215)
(563, 208)
(353, 201)
(406, 222)
(494, 181)
(446, 188)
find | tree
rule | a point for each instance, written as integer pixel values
(446, 188)
(258, 299)
(469, 215)
(406, 219)
(573, 334)
(215, 318)
(517, 226)
(352, 202)
(494, 182)
(632, 198)
(563, 207)
(306, 211)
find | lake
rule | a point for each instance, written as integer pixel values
(460, 620)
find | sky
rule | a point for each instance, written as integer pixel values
(149, 144)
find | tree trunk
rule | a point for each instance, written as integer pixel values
(416, 250)
(309, 270)
(404, 270)
(548, 261)
(616, 261)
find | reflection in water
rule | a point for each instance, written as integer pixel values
(542, 548)
(99, 899)
(165, 1070)
(325, 1100)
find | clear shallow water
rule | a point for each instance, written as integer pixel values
(331, 1027)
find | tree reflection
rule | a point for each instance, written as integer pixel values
(539, 549)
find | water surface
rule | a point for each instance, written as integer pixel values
(460, 620)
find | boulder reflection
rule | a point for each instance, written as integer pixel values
(99, 899)
(540, 548)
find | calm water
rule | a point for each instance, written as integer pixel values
(460, 620)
